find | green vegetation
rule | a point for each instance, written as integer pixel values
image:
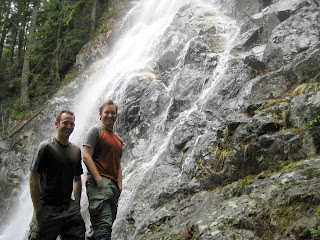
(67, 79)
(162, 236)
(17, 111)
(287, 214)
(261, 158)
(305, 88)
(312, 122)
(243, 183)
(311, 173)
(163, 233)
(290, 165)
(316, 232)
(36, 56)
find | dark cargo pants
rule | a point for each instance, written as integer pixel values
(52, 221)
(103, 204)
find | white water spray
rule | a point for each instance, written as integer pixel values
(19, 224)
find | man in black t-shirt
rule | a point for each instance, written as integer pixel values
(55, 173)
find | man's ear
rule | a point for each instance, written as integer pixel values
(56, 124)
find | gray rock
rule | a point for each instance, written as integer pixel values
(291, 37)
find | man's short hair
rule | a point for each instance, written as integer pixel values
(58, 116)
(109, 102)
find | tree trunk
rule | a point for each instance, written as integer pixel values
(18, 24)
(58, 41)
(26, 63)
(21, 39)
(57, 63)
(93, 17)
(4, 30)
(13, 44)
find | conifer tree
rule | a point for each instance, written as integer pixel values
(4, 27)
(25, 100)
(38, 45)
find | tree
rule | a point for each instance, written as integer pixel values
(26, 63)
(40, 41)
(25, 15)
(17, 23)
(93, 17)
(4, 28)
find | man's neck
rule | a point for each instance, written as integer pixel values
(109, 127)
(64, 141)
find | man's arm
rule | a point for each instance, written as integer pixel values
(88, 161)
(77, 187)
(34, 190)
(120, 178)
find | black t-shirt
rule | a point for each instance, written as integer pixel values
(57, 165)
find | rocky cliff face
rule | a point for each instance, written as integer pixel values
(221, 174)
(221, 125)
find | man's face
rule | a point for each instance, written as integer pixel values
(66, 125)
(108, 115)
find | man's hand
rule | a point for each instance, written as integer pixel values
(98, 180)
(34, 190)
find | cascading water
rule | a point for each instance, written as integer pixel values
(145, 172)
(133, 54)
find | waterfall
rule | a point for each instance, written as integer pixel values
(130, 53)
(146, 171)
(133, 53)
(19, 224)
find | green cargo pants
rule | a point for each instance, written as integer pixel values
(103, 204)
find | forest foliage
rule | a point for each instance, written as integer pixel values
(35, 56)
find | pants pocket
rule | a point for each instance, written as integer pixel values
(43, 214)
(95, 197)
(95, 207)
(99, 197)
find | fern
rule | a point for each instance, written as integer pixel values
(315, 232)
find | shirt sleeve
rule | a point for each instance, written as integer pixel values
(38, 162)
(79, 169)
(91, 137)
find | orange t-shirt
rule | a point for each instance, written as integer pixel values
(107, 151)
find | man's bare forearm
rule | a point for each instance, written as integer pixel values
(34, 190)
(77, 187)
(88, 161)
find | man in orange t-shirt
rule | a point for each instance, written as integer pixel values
(102, 150)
